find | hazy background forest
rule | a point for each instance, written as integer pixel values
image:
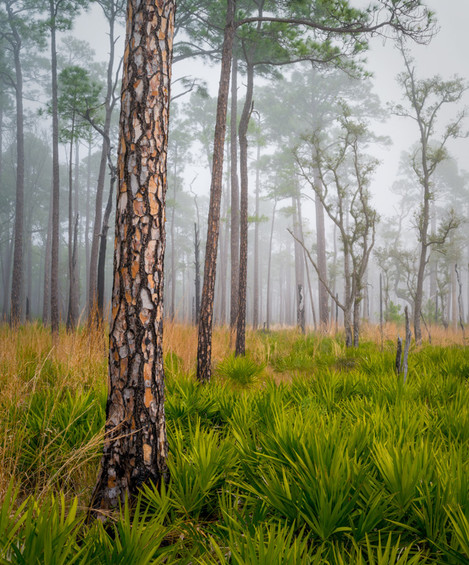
(301, 117)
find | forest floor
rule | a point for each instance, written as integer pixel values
(301, 452)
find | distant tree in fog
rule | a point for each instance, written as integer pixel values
(345, 174)
(424, 101)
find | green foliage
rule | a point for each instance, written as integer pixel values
(339, 463)
(242, 371)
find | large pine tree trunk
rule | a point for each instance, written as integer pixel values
(234, 196)
(243, 223)
(204, 348)
(135, 449)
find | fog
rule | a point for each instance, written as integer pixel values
(280, 171)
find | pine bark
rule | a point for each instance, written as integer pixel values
(204, 348)
(135, 449)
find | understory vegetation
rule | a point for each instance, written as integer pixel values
(301, 452)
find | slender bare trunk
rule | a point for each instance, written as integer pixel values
(55, 314)
(47, 268)
(204, 349)
(103, 246)
(97, 228)
(243, 224)
(255, 290)
(17, 277)
(234, 196)
(269, 270)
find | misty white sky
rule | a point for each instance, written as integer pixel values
(446, 55)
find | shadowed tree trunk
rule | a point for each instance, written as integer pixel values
(204, 349)
(135, 449)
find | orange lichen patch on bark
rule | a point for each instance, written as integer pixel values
(111, 483)
(148, 397)
(150, 256)
(154, 207)
(144, 317)
(135, 268)
(139, 207)
(147, 451)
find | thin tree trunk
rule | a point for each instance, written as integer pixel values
(197, 271)
(6, 273)
(103, 246)
(135, 449)
(72, 314)
(234, 196)
(305, 260)
(204, 349)
(224, 264)
(29, 261)
(323, 297)
(109, 107)
(243, 224)
(454, 297)
(17, 277)
(255, 300)
(269, 269)
(54, 293)
(87, 226)
(299, 267)
(47, 268)
(173, 247)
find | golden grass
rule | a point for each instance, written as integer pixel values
(77, 361)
